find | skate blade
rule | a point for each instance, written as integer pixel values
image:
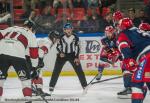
(128, 96)
(86, 89)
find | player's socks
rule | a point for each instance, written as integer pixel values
(100, 71)
(1, 92)
(137, 100)
(144, 90)
(137, 95)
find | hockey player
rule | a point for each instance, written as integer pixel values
(68, 50)
(13, 46)
(1, 34)
(118, 15)
(135, 48)
(44, 44)
(125, 93)
(145, 28)
(109, 53)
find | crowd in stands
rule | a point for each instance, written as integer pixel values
(5, 11)
(85, 15)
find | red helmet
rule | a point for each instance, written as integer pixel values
(144, 26)
(125, 23)
(117, 15)
(109, 29)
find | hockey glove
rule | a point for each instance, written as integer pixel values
(34, 73)
(130, 64)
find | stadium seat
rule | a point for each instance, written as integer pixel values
(52, 11)
(17, 3)
(3, 26)
(65, 12)
(106, 10)
(89, 11)
(18, 13)
(78, 13)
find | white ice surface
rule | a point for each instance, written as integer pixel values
(69, 88)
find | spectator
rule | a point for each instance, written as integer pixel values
(107, 3)
(62, 4)
(105, 21)
(60, 23)
(45, 21)
(147, 9)
(94, 23)
(32, 15)
(93, 3)
(27, 8)
(79, 4)
(89, 24)
(143, 17)
(5, 12)
(132, 15)
(33, 4)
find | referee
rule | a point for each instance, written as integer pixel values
(68, 50)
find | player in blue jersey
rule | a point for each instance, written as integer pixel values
(126, 92)
(109, 53)
(135, 49)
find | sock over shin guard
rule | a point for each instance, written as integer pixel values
(127, 76)
(38, 82)
(1, 87)
(27, 91)
(100, 69)
(137, 95)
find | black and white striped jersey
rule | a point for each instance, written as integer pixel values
(69, 44)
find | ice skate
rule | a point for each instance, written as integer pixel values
(125, 94)
(99, 76)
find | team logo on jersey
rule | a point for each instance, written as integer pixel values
(22, 74)
(139, 73)
(112, 44)
(92, 46)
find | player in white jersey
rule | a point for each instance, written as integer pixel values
(13, 48)
(44, 44)
(1, 34)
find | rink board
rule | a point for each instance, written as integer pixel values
(89, 55)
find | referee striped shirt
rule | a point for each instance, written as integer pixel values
(69, 44)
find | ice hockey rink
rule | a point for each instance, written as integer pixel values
(68, 90)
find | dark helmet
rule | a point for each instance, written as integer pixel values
(68, 26)
(30, 24)
(54, 34)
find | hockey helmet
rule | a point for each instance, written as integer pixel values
(68, 26)
(144, 26)
(54, 34)
(125, 23)
(30, 24)
(118, 15)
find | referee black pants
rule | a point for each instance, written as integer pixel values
(59, 65)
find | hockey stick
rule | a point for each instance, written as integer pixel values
(107, 79)
(88, 85)
(35, 90)
(92, 80)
